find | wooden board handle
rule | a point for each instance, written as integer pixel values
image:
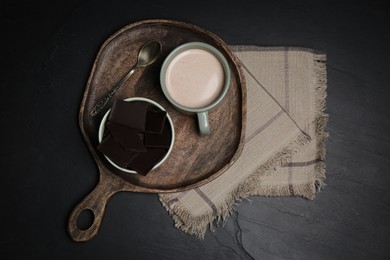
(96, 202)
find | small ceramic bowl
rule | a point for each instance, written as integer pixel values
(103, 126)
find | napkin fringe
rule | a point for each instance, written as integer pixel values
(198, 225)
(321, 118)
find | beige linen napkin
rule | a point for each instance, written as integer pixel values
(284, 148)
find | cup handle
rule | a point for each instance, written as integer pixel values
(203, 122)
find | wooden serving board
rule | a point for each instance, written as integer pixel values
(195, 160)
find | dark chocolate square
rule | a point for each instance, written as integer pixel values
(155, 120)
(162, 140)
(128, 138)
(130, 114)
(115, 152)
(144, 162)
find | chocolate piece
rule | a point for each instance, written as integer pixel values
(155, 120)
(130, 114)
(128, 138)
(127, 126)
(144, 162)
(159, 140)
(115, 152)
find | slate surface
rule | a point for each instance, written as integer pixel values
(47, 53)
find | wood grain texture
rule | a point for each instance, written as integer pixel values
(195, 160)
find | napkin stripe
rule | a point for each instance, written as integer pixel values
(177, 197)
(290, 177)
(172, 202)
(301, 164)
(207, 200)
(264, 126)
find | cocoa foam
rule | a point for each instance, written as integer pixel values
(194, 78)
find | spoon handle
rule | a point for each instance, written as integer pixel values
(108, 96)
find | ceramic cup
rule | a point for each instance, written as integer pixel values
(103, 125)
(195, 77)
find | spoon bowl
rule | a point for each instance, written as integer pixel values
(148, 54)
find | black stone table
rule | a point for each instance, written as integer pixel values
(48, 48)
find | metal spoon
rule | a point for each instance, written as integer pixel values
(147, 55)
